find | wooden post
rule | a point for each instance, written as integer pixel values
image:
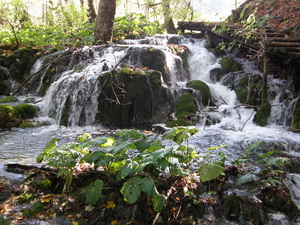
(264, 97)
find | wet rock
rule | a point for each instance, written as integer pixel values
(292, 181)
(278, 219)
(296, 116)
(204, 95)
(133, 98)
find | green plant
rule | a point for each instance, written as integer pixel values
(132, 157)
(268, 172)
(135, 26)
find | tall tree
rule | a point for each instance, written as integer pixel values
(105, 20)
(168, 20)
(91, 11)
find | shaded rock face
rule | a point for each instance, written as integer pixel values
(155, 59)
(19, 62)
(5, 83)
(133, 99)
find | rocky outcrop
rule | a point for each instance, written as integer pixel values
(133, 98)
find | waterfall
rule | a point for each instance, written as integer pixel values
(72, 99)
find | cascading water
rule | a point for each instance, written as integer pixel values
(74, 95)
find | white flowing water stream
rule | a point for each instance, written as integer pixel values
(23, 145)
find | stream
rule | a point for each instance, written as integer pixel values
(234, 129)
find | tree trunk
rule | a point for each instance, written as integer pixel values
(105, 21)
(91, 11)
(168, 20)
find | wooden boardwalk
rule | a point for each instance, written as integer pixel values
(276, 42)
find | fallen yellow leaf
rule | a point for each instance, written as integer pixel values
(110, 204)
(46, 198)
(114, 222)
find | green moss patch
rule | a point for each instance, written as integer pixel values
(261, 116)
(229, 65)
(186, 107)
(9, 99)
(296, 116)
(203, 88)
(25, 111)
(12, 116)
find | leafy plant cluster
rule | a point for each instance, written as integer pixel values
(137, 162)
(61, 26)
(268, 168)
(132, 158)
(135, 26)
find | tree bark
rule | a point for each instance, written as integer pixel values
(105, 21)
(168, 20)
(91, 11)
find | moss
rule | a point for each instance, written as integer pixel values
(261, 116)
(24, 125)
(242, 95)
(6, 114)
(185, 107)
(230, 65)
(25, 111)
(37, 207)
(9, 99)
(296, 116)
(226, 64)
(203, 88)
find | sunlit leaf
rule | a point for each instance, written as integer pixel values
(210, 171)
(249, 177)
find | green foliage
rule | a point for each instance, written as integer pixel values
(267, 173)
(93, 192)
(211, 167)
(135, 26)
(132, 157)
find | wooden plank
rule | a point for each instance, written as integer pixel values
(283, 44)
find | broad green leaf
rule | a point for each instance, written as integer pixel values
(50, 146)
(249, 177)
(156, 145)
(116, 166)
(121, 147)
(95, 156)
(131, 189)
(93, 192)
(110, 141)
(130, 134)
(84, 137)
(210, 171)
(94, 142)
(254, 145)
(142, 144)
(159, 203)
(147, 185)
(104, 161)
(130, 167)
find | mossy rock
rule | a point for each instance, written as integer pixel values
(261, 116)
(185, 108)
(25, 111)
(229, 65)
(242, 95)
(203, 88)
(24, 125)
(6, 114)
(9, 99)
(296, 116)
